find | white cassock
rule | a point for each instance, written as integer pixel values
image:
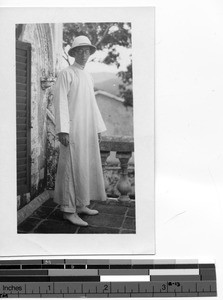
(79, 176)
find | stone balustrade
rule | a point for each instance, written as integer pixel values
(124, 147)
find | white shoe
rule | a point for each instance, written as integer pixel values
(74, 219)
(87, 211)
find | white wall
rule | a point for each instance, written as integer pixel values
(117, 117)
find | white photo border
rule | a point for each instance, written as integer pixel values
(143, 40)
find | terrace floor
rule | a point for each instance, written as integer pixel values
(113, 217)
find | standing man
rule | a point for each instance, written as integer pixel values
(78, 125)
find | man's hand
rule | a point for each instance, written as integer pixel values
(63, 138)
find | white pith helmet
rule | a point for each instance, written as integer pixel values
(79, 41)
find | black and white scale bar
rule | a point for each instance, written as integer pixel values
(106, 278)
(108, 289)
(197, 274)
(151, 264)
(50, 279)
(111, 295)
(103, 264)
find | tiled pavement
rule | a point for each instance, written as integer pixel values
(113, 217)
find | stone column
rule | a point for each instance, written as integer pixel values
(123, 185)
(104, 156)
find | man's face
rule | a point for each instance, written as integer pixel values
(82, 54)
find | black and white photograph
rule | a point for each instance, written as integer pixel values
(111, 149)
(81, 97)
(75, 141)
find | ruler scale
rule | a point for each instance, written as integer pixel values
(106, 278)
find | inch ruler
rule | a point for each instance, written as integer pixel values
(66, 278)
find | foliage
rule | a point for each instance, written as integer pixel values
(126, 87)
(105, 36)
(52, 160)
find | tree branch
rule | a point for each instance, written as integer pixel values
(67, 57)
(104, 35)
(67, 60)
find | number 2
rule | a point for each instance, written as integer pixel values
(105, 288)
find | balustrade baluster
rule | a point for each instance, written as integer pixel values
(123, 185)
(104, 156)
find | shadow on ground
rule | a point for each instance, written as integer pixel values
(113, 217)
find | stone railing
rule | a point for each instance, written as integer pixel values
(123, 147)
